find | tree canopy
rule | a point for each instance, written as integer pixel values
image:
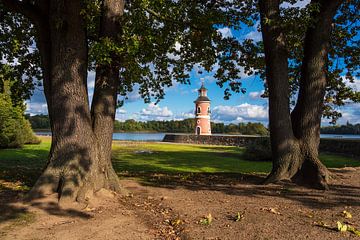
(161, 41)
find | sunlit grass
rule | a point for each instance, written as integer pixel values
(24, 165)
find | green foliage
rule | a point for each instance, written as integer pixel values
(343, 129)
(178, 126)
(161, 41)
(188, 126)
(343, 65)
(39, 121)
(15, 130)
(20, 60)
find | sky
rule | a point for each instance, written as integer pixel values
(178, 103)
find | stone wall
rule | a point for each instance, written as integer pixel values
(342, 146)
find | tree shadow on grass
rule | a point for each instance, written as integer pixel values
(12, 206)
(19, 170)
(188, 161)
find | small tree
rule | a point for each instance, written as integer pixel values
(15, 130)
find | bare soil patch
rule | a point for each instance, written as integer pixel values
(162, 206)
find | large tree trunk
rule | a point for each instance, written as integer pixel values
(306, 117)
(79, 162)
(284, 146)
(76, 167)
(295, 140)
(107, 79)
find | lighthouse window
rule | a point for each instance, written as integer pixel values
(198, 121)
(198, 110)
(209, 110)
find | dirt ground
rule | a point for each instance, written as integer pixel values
(178, 207)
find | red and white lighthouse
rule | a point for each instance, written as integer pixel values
(202, 113)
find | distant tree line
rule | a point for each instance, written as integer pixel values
(188, 126)
(179, 126)
(343, 129)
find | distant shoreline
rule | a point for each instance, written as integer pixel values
(48, 130)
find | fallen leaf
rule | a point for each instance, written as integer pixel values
(342, 227)
(272, 210)
(346, 214)
(207, 220)
(239, 217)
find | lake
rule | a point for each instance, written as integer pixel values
(133, 136)
(159, 136)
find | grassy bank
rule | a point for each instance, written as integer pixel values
(24, 165)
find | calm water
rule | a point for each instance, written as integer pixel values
(126, 136)
(160, 136)
(348, 136)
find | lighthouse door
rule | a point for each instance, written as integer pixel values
(198, 130)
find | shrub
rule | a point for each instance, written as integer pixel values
(15, 130)
(258, 150)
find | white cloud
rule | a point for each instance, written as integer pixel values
(120, 111)
(175, 56)
(256, 95)
(225, 32)
(185, 115)
(350, 113)
(35, 108)
(300, 4)
(255, 34)
(241, 113)
(156, 111)
(354, 85)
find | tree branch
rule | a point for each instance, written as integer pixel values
(159, 16)
(25, 8)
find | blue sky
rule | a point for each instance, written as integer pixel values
(178, 103)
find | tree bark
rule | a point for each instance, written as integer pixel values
(72, 163)
(284, 146)
(107, 79)
(306, 116)
(80, 156)
(295, 140)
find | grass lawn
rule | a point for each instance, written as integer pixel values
(24, 165)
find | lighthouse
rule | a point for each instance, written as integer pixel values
(202, 112)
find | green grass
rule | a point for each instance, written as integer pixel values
(183, 158)
(24, 165)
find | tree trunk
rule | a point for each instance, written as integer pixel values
(284, 146)
(306, 117)
(76, 168)
(104, 102)
(295, 140)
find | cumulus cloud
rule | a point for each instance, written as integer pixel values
(241, 113)
(225, 32)
(36, 108)
(256, 95)
(350, 113)
(254, 34)
(175, 56)
(37, 103)
(120, 111)
(156, 111)
(355, 85)
(300, 4)
(184, 115)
